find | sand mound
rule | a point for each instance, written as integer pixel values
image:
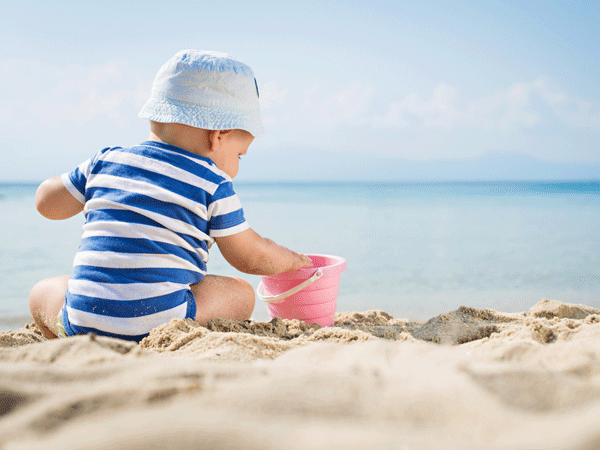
(30, 334)
(461, 326)
(497, 381)
(553, 308)
(242, 341)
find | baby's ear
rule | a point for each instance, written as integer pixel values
(216, 137)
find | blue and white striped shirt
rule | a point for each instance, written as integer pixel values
(152, 212)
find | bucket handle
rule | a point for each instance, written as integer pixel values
(275, 298)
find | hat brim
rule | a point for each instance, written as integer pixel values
(165, 110)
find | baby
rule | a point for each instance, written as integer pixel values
(153, 210)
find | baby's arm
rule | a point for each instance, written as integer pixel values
(250, 253)
(54, 201)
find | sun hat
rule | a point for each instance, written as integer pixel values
(209, 90)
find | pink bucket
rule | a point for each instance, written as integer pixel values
(306, 294)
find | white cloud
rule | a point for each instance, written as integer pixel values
(506, 110)
(585, 115)
(535, 117)
(44, 96)
(520, 106)
(316, 107)
(548, 91)
(412, 110)
(271, 94)
(53, 100)
(308, 101)
(346, 106)
(574, 111)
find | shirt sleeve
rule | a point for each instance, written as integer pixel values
(76, 180)
(226, 216)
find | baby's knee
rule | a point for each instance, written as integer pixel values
(223, 296)
(247, 298)
(36, 296)
(48, 295)
(46, 299)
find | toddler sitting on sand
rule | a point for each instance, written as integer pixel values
(153, 211)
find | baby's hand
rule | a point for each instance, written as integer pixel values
(306, 261)
(299, 260)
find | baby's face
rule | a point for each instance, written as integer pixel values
(236, 144)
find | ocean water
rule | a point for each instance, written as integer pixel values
(415, 250)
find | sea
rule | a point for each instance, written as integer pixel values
(412, 249)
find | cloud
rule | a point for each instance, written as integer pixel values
(345, 106)
(585, 115)
(46, 96)
(316, 107)
(308, 101)
(520, 106)
(413, 110)
(549, 92)
(78, 102)
(538, 118)
(271, 94)
(574, 111)
(505, 110)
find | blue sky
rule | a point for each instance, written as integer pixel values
(348, 89)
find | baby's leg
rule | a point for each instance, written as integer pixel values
(45, 301)
(223, 297)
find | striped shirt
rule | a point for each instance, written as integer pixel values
(152, 212)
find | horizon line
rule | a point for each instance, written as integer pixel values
(371, 181)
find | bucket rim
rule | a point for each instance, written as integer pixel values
(333, 269)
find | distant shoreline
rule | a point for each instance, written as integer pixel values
(391, 182)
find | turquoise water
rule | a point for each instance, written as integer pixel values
(412, 249)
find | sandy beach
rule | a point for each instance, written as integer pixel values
(467, 379)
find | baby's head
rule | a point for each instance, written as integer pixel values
(208, 91)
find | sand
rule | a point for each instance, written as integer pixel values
(467, 379)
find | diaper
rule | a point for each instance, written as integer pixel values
(61, 326)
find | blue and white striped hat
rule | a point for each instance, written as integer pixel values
(209, 90)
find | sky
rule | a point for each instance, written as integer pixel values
(349, 89)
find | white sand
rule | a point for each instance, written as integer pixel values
(468, 379)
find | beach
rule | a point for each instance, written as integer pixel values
(447, 152)
(467, 379)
